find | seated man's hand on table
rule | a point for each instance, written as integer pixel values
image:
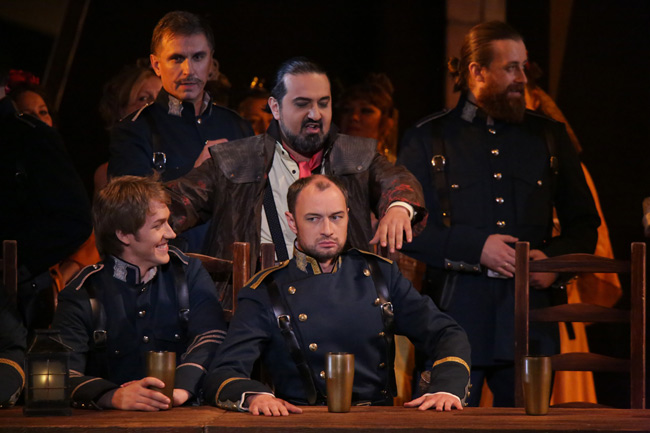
(440, 401)
(136, 395)
(265, 404)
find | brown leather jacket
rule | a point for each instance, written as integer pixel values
(229, 187)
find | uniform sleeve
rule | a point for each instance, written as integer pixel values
(390, 183)
(207, 329)
(13, 337)
(248, 335)
(192, 196)
(131, 151)
(74, 319)
(574, 203)
(434, 333)
(437, 243)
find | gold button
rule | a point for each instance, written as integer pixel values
(492, 131)
(322, 375)
(141, 313)
(495, 152)
(454, 186)
(497, 176)
(302, 317)
(291, 290)
(366, 272)
(198, 120)
(462, 267)
(313, 347)
(381, 334)
(145, 339)
(501, 224)
(377, 301)
(499, 200)
(382, 365)
(539, 182)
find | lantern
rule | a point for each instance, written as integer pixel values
(47, 375)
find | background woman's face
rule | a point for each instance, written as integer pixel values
(143, 93)
(361, 119)
(31, 103)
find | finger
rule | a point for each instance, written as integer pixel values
(509, 239)
(375, 238)
(267, 411)
(399, 236)
(408, 231)
(283, 411)
(391, 237)
(254, 410)
(152, 381)
(292, 408)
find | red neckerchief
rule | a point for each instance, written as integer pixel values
(306, 167)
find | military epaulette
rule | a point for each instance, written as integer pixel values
(541, 116)
(257, 279)
(27, 119)
(433, 116)
(83, 275)
(368, 253)
(179, 254)
(137, 113)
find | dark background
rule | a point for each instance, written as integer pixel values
(603, 90)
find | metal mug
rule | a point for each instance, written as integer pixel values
(537, 373)
(162, 365)
(339, 370)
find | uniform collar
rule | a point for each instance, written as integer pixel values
(175, 106)
(130, 273)
(310, 265)
(472, 113)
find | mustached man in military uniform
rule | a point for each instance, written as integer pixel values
(327, 300)
(492, 173)
(145, 295)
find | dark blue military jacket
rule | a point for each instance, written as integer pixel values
(500, 180)
(139, 317)
(181, 136)
(333, 312)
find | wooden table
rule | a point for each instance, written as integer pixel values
(317, 419)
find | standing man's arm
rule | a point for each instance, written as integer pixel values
(398, 200)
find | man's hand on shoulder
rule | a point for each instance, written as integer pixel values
(392, 227)
(498, 255)
(440, 401)
(136, 395)
(265, 404)
(205, 153)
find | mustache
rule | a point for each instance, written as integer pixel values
(516, 87)
(307, 121)
(189, 80)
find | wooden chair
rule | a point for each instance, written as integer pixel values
(9, 268)
(235, 272)
(635, 316)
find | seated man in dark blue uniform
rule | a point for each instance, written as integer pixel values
(145, 295)
(333, 301)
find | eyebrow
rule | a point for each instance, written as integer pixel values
(304, 99)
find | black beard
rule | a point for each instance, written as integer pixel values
(307, 144)
(501, 107)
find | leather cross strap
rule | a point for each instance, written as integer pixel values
(388, 318)
(286, 329)
(274, 224)
(182, 293)
(439, 175)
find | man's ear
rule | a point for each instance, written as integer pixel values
(123, 237)
(274, 105)
(476, 72)
(292, 222)
(155, 63)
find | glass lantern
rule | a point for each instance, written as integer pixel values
(47, 390)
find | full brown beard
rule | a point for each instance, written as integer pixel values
(498, 105)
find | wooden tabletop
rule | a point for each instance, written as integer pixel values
(317, 419)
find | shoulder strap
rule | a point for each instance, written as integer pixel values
(100, 335)
(388, 318)
(158, 158)
(274, 224)
(284, 323)
(182, 293)
(439, 174)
